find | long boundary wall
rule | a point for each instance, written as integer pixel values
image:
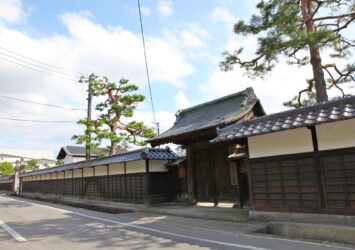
(130, 182)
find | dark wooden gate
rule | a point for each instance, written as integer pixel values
(212, 176)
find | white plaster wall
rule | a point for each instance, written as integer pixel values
(68, 159)
(135, 167)
(340, 134)
(77, 173)
(88, 172)
(76, 159)
(117, 168)
(281, 143)
(68, 174)
(100, 170)
(60, 175)
(157, 166)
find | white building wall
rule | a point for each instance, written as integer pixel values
(117, 168)
(135, 167)
(68, 174)
(100, 170)
(88, 172)
(291, 141)
(340, 134)
(68, 159)
(60, 175)
(76, 159)
(77, 173)
(157, 166)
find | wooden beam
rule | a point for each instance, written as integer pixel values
(249, 174)
(318, 169)
(125, 179)
(148, 201)
(82, 183)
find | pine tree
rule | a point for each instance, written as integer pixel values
(118, 103)
(292, 27)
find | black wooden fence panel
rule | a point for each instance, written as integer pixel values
(305, 182)
(6, 186)
(130, 187)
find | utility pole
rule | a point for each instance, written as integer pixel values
(92, 77)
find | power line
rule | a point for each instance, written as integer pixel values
(41, 121)
(35, 65)
(34, 69)
(146, 66)
(44, 104)
(34, 60)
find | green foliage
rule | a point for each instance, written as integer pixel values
(59, 162)
(6, 168)
(118, 103)
(287, 28)
(32, 165)
(295, 103)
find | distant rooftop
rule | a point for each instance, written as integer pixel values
(28, 153)
(79, 151)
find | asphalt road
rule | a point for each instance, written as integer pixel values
(26, 224)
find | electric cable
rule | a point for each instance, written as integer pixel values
(44, 104)
(146, 66)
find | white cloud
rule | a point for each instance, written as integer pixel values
(145, 10)
(191, 40)
(220, 14)
(11, 11)
(166, 119)
(165, 8)
(280, 85)
(181, 101)
(89, 47)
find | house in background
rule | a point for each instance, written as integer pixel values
(301, 160)
(6, 155)
(210, 174)
(70, 154)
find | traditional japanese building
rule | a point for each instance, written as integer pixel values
(211, 176)
(301, 160)
(139, 176)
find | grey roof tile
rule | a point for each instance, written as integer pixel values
(140, 154)
(337, 110)
(211, 114)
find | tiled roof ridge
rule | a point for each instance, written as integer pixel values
(247, 92)
(335, 110)
(144, 154)
(307, 109)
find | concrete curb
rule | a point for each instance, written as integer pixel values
(197, 216)
(327, 219)
(330, 233)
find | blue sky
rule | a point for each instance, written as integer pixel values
(184, 39)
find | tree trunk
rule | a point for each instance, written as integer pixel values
(316, 61)
(113, 148)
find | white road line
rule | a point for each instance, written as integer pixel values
(193, 238)
(13, 233)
